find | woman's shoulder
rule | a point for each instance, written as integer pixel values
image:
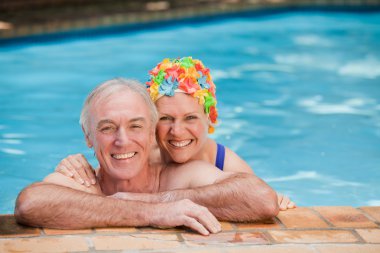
(234, 163)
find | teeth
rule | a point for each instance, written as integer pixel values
(180, 143)
(124, 156)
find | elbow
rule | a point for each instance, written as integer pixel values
(24, 209)
(270, 208)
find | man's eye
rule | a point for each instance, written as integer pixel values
(136, 126)
(107, 129)
(165, 118)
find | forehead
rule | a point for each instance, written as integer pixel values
(121, 105)
(179, 103)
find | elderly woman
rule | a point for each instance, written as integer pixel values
(184, 94)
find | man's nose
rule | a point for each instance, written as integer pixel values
(122, 137)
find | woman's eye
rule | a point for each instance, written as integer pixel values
(190, 117)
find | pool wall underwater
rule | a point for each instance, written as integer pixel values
(34, 23)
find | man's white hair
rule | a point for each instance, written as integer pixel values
(111, 87)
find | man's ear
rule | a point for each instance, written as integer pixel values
(87, 137)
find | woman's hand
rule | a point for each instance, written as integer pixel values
(284, 202)
(77, 167)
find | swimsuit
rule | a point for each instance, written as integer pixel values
(220, 153)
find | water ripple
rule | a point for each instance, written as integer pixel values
(13, 151)
(313, 175)
(358, 106)
(366, 68)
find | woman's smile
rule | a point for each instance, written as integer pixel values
(180, 144)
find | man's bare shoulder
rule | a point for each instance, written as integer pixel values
(62, 180)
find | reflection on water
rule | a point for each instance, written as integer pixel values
(298, 97)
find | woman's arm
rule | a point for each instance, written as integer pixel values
(233, 163)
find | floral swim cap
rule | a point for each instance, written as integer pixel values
(185, 75)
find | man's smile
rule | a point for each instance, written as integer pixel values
(124, 156)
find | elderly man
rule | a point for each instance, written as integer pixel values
(118, 120)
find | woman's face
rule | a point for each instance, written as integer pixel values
(182, 127)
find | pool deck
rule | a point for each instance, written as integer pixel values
(304, 229)
(38, 20)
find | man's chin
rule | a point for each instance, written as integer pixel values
(123, 172)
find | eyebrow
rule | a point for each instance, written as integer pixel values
(138, 119)
(108, 121)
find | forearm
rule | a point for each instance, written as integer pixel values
(49, 205)
(237, 198)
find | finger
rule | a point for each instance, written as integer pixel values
(195, 225)
(68, 164)
(291, 204)
(284, 203)
(215, 227)
(88, 168)
(80, 169)
(206, 218)
(279, 198)
(63, 170)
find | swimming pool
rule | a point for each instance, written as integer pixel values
(298, 96)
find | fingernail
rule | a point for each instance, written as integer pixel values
(81, 181)
(87, 184)
(93, 181)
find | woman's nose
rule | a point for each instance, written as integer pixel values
(176, 129)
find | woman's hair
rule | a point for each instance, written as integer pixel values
(186, 75)
(115, 86)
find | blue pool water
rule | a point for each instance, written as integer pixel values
(299, 98)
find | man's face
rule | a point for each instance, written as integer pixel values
(120, 132)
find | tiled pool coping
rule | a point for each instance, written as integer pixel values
(304, 229)
(124, 19)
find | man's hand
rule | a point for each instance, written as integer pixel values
(77, 167)
(284, 202)
(185, 213)
(177, 213)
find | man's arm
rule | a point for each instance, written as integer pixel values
(56, 206)
(229, 196)
(240, 197)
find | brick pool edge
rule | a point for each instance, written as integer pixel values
(304, 229)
